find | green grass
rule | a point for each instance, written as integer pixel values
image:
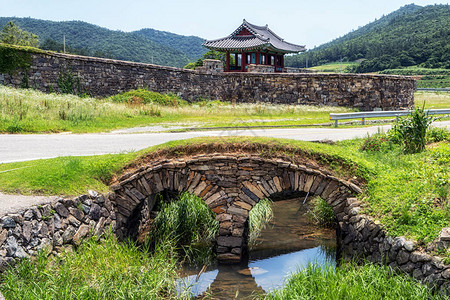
(107, 270)
(437, 100)
(30, 111)
(427, 78)
(260, 215)
(352, 282)
(335, 67)
(189, 226)
(62, 175)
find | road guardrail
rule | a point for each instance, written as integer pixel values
(382, 114)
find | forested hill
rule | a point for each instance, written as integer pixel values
(190, 45)
(87, 39)
(412, 35)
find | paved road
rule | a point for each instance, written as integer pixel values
(37, 146)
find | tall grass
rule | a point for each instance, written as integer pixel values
(322, 213)
(352, 282)
(26, 110)
(107, 270)
(188, 225)
(259, 217)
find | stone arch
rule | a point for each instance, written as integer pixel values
(230, 185)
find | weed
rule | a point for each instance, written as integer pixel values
(322, 213)
(350, 281)
(188, 225)
(260, 215)
(411, 130)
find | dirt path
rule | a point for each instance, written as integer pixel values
(15, 203)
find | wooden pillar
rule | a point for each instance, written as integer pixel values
(282, 61)
(228, 61)
(258, 53)
(243, 61)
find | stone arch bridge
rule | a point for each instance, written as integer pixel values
(230, 184)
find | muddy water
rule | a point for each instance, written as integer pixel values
(286, 245)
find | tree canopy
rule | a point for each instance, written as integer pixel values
(13, 35)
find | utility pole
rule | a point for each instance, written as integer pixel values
(306, 63)
(341, 63)
(64, 43)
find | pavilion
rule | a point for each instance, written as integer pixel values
(254, 45)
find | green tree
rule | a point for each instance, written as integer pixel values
(13, 35)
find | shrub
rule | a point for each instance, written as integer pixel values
(436, 134)
(377, 143)
(143, 96)
(15, 127)
(411, 131)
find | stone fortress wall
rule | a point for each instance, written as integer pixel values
(105, 77)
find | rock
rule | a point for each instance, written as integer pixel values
(252, 271)
(11, 246)
(99, 227)
(20, 253)
(46, 245)
(229, 241)
(444, 235)
(408, 245)
(26, 230)
(86, 208)
(94, 213)
(73, 221)
(6, 262)
(68, 234)
(80, 234)
(398, 243)
(100, 199)
(28, 215)
(8, 222)
(446, 274)
(417, 256)
(61, 210)
(57, 239)
(402, 257)
(78, 214)
(3, 236)
(92, 194)
(57, 222)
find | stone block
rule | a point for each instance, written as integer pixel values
(229, 241)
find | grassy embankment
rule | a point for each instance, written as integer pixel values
(335, 67)
(427, 78)
(32, 111)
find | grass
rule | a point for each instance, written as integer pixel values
(189, 226)
(322, 213)
(352, 282)
(335, 67)
(107, 270)
(29, 111)
(62, 175)
(260, 215)
(427, 78)
(436, 100)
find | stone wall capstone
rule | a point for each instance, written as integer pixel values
(105, 77)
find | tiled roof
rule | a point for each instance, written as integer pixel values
(261, 38)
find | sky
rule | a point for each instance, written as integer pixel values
(303, 22)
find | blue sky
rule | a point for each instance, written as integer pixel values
(304, 22)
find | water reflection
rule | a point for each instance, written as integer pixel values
(289, 244)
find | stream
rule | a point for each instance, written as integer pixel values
(287, 244)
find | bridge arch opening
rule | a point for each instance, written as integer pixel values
(230, 186)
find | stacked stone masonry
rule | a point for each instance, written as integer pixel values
(54, 227)
(106, 77)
